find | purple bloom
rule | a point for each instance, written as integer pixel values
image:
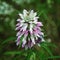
(29, 28)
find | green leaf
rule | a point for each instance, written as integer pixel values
(9, 39)
(50, 44)
(47, 49)
(53, 57)
(33, 55)
(13, 52)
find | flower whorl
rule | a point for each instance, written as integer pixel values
(28, 27)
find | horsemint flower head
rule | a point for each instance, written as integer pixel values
(29, 28)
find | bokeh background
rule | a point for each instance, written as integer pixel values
(47, 10)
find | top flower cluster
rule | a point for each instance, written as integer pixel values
(29, 28)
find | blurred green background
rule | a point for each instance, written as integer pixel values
(48, 11)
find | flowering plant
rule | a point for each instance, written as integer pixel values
(29, 28)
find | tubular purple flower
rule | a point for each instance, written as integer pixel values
(39, 24)
(18, 42)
